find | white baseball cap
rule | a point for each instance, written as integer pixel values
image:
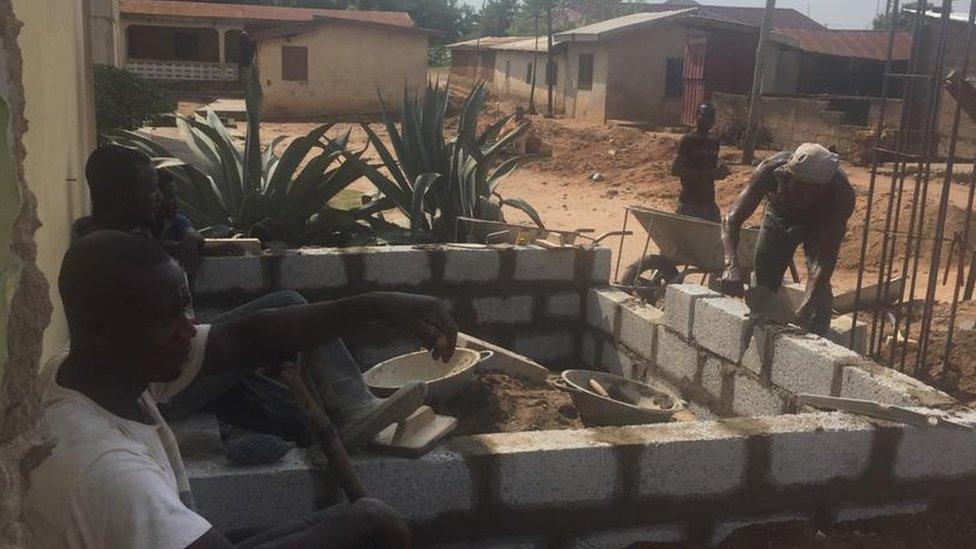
(813, 163)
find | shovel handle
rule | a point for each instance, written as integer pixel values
(324, 432)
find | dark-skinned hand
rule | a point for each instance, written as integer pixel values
(367, 523)
(421, 316)
(731, 282)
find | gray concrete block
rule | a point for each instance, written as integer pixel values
(751, 398)
(820, 456)
(713, 370)
(503, 310)
(533, 264)
(221, 274)
(566, 305)
(396, 265)
(679, 308)
(222, 492)
(806, 363)
(621, 361)
(840, 333)
(545, 346)
(600, 272)
(638, 328)
(759, 349)
(861, 383)
(313, 269)
(718, 466)
(601, 308)
(675, 355)
(471, 265)
(557, 478)
(937, 453)
(722, 326)
(420, 489)
(588, 350)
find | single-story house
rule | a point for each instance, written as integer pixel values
(336, 67)
(835, 62)
(518, 62)
(182, 41)
(475, 59)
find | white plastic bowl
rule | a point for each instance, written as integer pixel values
(444, 380)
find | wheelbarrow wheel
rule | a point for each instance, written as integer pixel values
(649, 277)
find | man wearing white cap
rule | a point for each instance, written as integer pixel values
(809, 200)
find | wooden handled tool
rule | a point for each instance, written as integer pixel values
(324, 432)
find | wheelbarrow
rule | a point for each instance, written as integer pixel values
(686, 246)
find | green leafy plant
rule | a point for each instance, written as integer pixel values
(126, 101)
(261, 193)
(434, 180)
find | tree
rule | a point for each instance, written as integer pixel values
(904, 20)
(497, 17)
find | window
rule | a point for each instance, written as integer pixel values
(528, 73)
(585, 76)
(673, 81)
(552, 73)
(294, 63)
(186, 46)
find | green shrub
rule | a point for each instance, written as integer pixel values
(433, 180)
(124, 101)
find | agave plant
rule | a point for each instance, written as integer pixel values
(434, 180)
(260, 193)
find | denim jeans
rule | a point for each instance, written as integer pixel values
(251, 400)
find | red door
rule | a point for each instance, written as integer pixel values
(693, 73)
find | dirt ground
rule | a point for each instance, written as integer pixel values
(497, 403)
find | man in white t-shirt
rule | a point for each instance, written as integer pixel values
(115, 478)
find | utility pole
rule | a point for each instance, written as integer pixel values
(535, 64)
(550, 69)
(749, 140)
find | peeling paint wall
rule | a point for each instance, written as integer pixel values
(46, 131)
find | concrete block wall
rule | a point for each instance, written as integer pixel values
(613, 486)
(528, 299)
(779, 361)
(705, 346)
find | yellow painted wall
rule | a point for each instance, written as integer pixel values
(60, 132)
(346, 65)
(514, 84)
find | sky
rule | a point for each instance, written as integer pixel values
(836, 14)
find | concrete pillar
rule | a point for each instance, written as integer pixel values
(221, 44)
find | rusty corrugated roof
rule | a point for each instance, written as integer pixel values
(255, 13)
(861, 44)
